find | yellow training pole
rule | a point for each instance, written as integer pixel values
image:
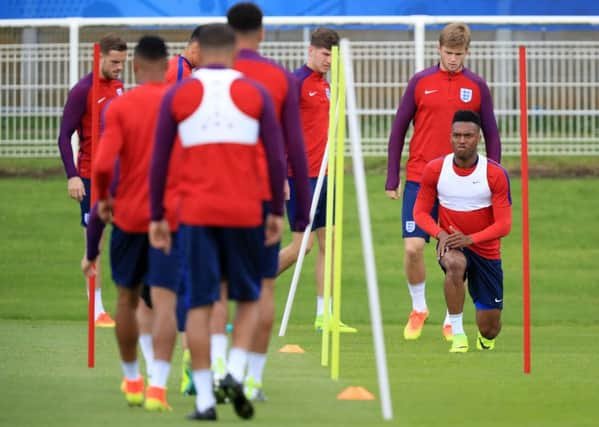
(338, 236)
(328, 247)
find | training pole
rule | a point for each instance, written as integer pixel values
(305, 238)
(328, 246)
(91, 308)
(367, 246)
(525, 213)
(338, 234)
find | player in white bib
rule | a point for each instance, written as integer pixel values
(474, 213)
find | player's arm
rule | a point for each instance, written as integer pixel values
(296, 153)
(272, 140)
(94, 230)
(405, 114)
(425, 200)
(164, 138)
(502, 206)
(489, 124)
(74, 109)
(108, 150)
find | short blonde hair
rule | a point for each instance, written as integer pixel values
(455, 35)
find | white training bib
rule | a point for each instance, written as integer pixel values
(464, 193)
(217, 119)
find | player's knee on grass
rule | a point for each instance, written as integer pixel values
(489, 323)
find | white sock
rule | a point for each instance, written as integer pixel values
(319, 306)
(160, 371)
(256, 362)
(202, 379)
(457, 326)
(98, 305)
(446, 321)
(218, 350)
(418, 298)
(237, 363)
(145, 342)
(130, 370)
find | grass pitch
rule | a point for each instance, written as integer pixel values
(45, 380)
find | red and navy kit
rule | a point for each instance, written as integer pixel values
(220, 117)
(282, 88)
(430, 101)
(475, 201)
(314, 109)
(179, 68)
(77, 116)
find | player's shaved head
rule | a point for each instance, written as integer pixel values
(466, 116)
(151, 48)
(245, 17)
(195, 34)
(219, 37)
(150, 59)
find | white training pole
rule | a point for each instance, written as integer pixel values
(302, 252)
(367, 247)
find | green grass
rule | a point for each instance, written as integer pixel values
(45, 380)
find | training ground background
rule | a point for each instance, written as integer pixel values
(44, 379)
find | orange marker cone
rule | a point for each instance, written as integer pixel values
(291, 348)
(355, 393)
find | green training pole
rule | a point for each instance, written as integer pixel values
(338, 235)
(328, 247)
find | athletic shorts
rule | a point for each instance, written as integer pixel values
(164, 270)
(320, 216)
(409, 227)
(485, 280)
(214, 254)
(84, 203)
(269, 263)
(183, 296)
(128, 257)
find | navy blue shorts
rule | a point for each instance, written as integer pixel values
(164, 270)
(269, 264)
(320, 216)
(128, 257)
(213, 254)
(84, 203)
(409, 227)
(485, 281)
(183, 295)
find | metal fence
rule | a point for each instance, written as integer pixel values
(563, 91)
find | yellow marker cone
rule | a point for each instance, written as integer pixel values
(355, 393)
(291, 348)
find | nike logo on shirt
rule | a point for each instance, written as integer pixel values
(101, 99)
(312, 93)
(428, 92)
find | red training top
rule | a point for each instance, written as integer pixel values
(220, 117)
(77, 116)
(314, 109)
(130, 124)
(282, 88)
(430, 101)
(475, 201)
(179, 68)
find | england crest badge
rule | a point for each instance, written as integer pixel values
(410, 226)
(465, 94)
(328, 93)
(119, 91)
